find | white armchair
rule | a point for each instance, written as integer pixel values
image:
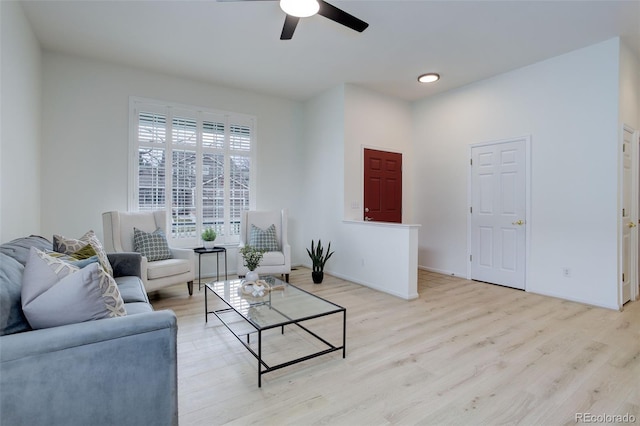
(273, 262)
(118, 237)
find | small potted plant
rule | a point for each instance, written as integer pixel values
(252, 257)
(209, 237)
(319, 258)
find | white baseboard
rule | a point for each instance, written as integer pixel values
(573, 299)
(374, 287)
(443, 272)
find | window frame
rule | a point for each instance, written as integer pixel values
(172, 110)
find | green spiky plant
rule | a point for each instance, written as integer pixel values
(318, 259)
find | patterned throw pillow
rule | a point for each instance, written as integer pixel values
(153, 246)
(71, 245)
(79, 259)
(264, 239)
(55, 293)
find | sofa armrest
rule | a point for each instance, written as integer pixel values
(125, 264)
(123, 369)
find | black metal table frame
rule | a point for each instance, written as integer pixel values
(217, 250)
(263, 367)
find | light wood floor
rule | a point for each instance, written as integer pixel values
(464, 353)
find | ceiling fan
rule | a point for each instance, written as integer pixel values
(296, 9)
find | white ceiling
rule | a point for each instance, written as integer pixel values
(237, 44)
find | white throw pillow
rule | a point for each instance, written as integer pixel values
(55, 293)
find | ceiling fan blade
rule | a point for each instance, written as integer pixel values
(290, 23)
(341, 17)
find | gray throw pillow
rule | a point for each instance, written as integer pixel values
(153, 245)
(264, 239)
(12, 319)
(20, 247)
(55, 293)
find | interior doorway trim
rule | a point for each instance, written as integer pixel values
(635, 290)
(529, 221)
(634, 205)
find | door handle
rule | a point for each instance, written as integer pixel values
(367, 218)
(519, 222)
(632, 225)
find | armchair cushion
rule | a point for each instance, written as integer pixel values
(264, 239)
(167, 268)
(153, 245)
(271, 258)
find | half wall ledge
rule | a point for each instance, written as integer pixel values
(383, 256)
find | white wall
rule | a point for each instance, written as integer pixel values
(375, 121)
(86, 140)
(20, 112)
(337, 124)
(629, 88)
(569, 106)
(323, 164)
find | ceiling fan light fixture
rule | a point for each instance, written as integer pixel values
(429, 77)
(300, 8)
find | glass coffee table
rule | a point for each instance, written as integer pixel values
(284, 305)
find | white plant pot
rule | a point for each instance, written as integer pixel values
(209, 244)
(252, 276)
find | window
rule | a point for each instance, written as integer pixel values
(195, 164)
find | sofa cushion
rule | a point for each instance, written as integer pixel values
(153, 245)
(167, 268)
(131, 290)
(55, 293)
(264, 239)
(71, 245)
(135, 308)
(12, 320)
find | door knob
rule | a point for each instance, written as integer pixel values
(519, 222)
(366, 210)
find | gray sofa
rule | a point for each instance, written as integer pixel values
(114, 371)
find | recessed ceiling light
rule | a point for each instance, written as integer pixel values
(300, 8)
(429, 78)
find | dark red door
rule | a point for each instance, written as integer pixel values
(382, 186)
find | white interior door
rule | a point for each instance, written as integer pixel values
(629, 225)
(498, 212)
